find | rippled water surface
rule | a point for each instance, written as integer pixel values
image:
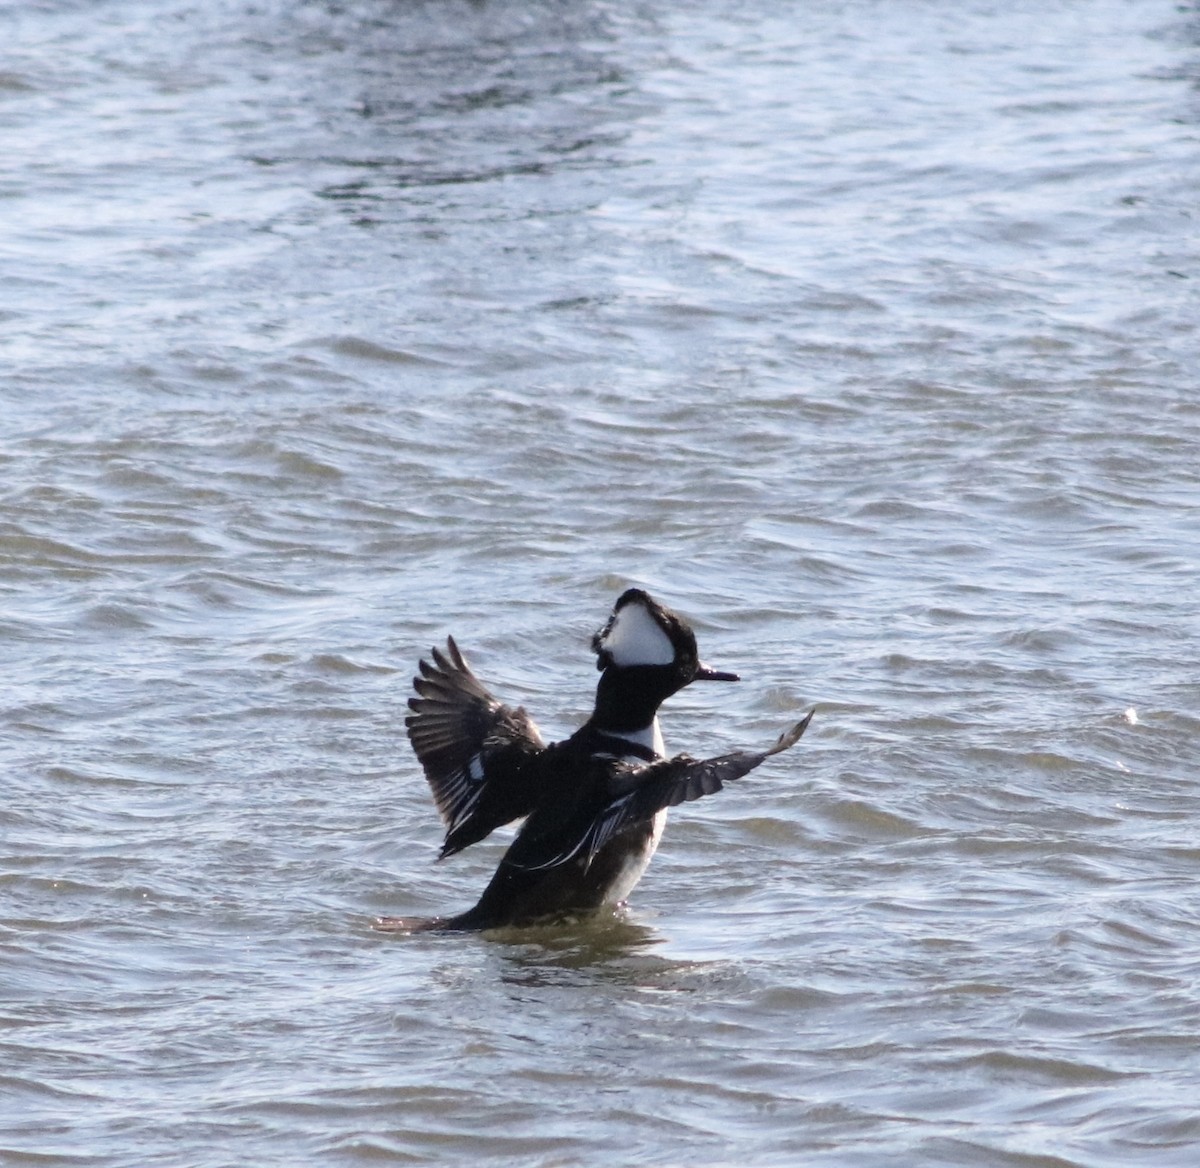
(863, 333)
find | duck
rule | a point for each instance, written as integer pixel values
(594, 805)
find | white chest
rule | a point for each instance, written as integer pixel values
(649, 737)
(636, 863)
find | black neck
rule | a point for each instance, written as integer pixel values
(628, 699)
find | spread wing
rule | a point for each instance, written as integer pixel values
(638, 793)
(479, 756)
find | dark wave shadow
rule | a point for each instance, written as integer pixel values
(408, 100)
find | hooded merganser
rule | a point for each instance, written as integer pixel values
(595, 804)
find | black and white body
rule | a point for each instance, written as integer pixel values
(594, 804)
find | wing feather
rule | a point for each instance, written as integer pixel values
(640, 792)
(477, 753)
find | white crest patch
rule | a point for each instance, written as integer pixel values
(636, 638)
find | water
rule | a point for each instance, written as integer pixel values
(864, 334)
